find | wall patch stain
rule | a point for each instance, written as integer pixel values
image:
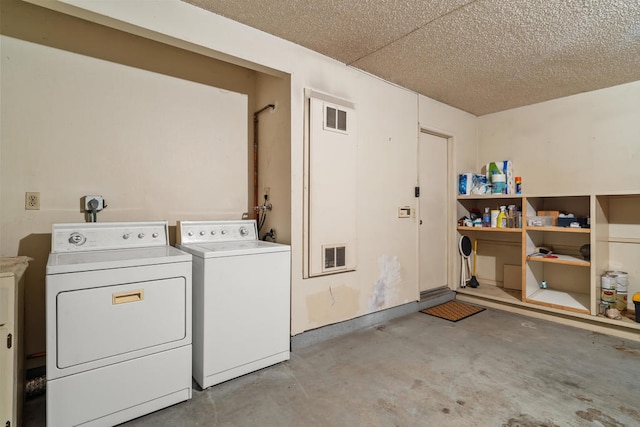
(335, 304)
(387, 284)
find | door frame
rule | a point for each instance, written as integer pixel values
(450, 198)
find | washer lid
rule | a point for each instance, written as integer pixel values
(224, 249)
(71, 262)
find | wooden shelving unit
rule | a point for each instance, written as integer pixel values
(490, 230)
(561, 259)
(567, 282)
(571, 301)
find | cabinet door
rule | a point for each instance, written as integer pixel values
(7, 355)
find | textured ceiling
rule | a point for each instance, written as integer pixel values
(481, 56)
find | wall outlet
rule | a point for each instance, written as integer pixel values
(32, 200)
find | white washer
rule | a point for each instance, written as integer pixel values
(241, 299)
(118, 302)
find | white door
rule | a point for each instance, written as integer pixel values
(432, 179)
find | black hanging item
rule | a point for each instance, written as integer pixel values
(464, 245)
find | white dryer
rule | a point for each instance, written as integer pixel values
(118, 302)
(241, 299)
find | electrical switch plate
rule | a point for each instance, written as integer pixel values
(404, 212)
(32, 201)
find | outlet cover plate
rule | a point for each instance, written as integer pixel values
(32, 200)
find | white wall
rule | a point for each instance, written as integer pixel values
(388, 135)
(275, 152)
(581, 144)
(81, 115)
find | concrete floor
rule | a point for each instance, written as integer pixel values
(491, 369)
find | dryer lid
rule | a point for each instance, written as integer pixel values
(224, 249)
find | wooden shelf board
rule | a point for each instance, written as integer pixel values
(559, 229)
(562, 259)
(492, 230)
(489, 196)
(493, 292)
(571, 301)
(488, 292)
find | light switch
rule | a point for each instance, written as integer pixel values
(404, 212)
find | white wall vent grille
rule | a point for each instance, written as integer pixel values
(335, 119)
(335, 258)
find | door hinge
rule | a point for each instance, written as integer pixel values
(417, 191)
(9, 340)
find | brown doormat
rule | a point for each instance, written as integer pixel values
(453, 310)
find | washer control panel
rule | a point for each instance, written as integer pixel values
(216, 231)
(93, 236)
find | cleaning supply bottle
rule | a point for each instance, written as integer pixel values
(502, 218)
(486, 218)
(494, 218)
(511, 216)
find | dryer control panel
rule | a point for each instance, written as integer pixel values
(93, 236)
(216, 231)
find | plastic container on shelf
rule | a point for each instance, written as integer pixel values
(486, 218)
(540, 221)
(494, 218)
(636, 302)
(498, 183)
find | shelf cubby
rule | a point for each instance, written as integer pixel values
(571, 281)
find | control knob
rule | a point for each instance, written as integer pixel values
(243, 231)
(77, 239)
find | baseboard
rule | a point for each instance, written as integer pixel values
(571, 320)
(335, 330)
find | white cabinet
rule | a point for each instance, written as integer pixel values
(11, 340)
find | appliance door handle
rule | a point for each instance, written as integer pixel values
(127, 296)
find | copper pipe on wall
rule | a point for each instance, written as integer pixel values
(255, 158)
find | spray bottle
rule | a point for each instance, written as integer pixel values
(501, 222)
